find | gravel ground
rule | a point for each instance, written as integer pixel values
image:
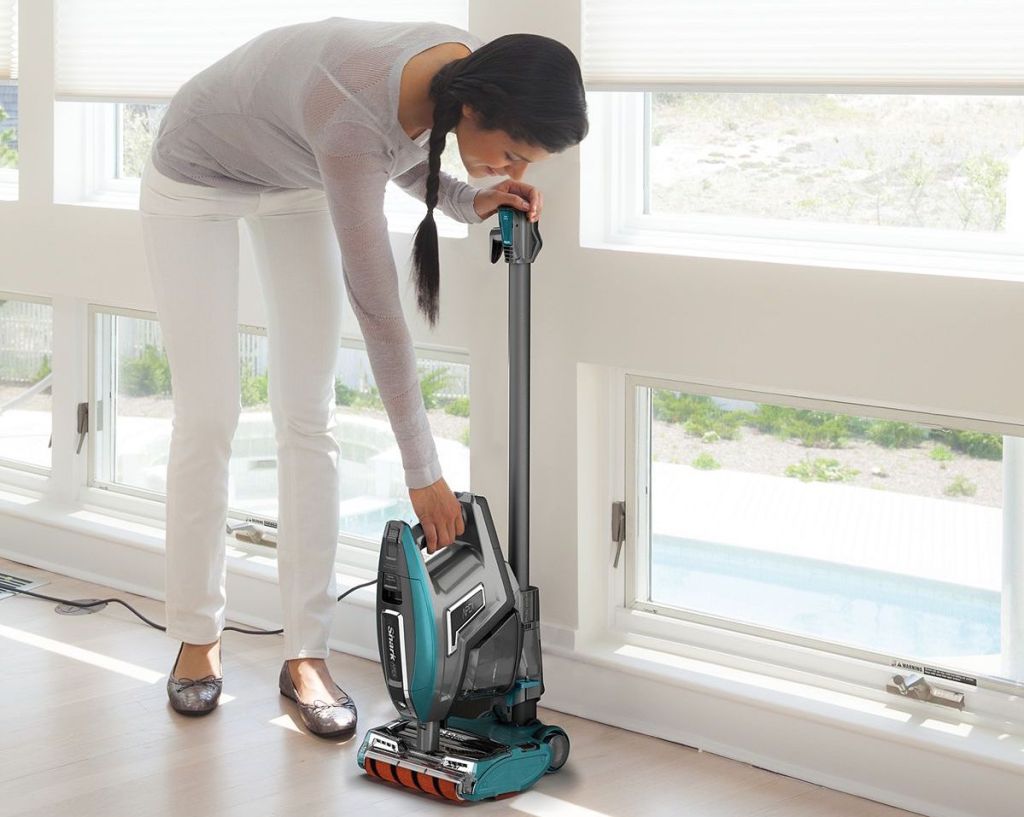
(907, 470)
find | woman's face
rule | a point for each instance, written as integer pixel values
(493, 152)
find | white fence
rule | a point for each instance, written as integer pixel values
(26, 340)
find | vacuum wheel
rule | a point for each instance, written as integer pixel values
(558, 741)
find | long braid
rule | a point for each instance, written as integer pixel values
(524, 85)
(447, 112)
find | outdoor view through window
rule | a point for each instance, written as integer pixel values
(891, 160)
(26, 381)
(882, 535)
(372, 478)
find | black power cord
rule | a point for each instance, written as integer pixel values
(96, 602)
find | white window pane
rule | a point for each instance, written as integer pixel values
(26, 405)
(880, 535)
(887, 160)
(137, 127)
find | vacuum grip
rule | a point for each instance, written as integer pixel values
(420, 537)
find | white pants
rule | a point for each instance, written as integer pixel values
(192, 248)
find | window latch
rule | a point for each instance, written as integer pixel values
(618, 528)
(914, 685)
(83, 425)
(254, 532)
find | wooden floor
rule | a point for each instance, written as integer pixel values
(87, 731)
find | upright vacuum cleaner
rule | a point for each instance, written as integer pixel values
(459, 634)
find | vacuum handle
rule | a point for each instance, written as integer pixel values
(420, 538)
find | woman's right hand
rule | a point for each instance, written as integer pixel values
(439, 512)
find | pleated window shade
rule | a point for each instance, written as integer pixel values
(8, 40)
(930, 45)
(127, 50)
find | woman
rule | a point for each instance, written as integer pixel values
(297, 132)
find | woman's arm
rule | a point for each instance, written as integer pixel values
(454, 197)
(354, 183)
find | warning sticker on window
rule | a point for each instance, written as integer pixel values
(935, 672)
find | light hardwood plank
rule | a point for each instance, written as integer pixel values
(88, 731)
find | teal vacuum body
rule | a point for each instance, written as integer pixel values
(459, 633)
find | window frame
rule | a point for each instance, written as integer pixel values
(741, 645)
(614, 198)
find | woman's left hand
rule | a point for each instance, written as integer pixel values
(520, 195)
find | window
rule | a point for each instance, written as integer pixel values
(866, 534)
(135, 128)
(8, 141)
(8, 100)
(26, 405)
(922, 182)
(807, 136)
(114, 76)
(102, 149)
(133, 397)
(928, 162)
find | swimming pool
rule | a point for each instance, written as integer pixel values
(891, 613)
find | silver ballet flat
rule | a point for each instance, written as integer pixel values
(194, 697)
(336, 719)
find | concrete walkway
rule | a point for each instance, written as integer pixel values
(943, 540)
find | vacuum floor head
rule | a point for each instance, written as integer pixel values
(477, 758)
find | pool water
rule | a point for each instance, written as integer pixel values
(900, 615)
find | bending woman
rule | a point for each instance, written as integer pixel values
(297, 132)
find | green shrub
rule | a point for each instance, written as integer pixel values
(432, 383)
(343, 395)
(814, 429)
(821, 470)
(697, 413)
(941, 453)
(961, 486)
(253, 388)
(771, 419)
(705, 462)
(973, 443)
(458, 406)
(147, 374)
(464, 436)
(889, 434)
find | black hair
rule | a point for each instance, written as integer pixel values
(526, 85)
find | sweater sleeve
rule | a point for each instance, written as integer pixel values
(354, 180)
(454, 197)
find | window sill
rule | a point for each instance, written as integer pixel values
(400, 221)
(129, 531)
(902, 720)
(813, 253)
(899, 752)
